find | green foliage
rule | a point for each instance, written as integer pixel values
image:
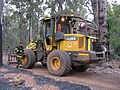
(22, 17)
(9, 28)
(114, 29)
(58, 7)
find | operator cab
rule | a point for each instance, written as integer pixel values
(69, 25)
(76, 25)
(62, 28)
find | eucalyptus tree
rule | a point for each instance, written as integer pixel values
(1, 9)
(99, 11)
(10, 28)
(28, 14)
(66, 7)
(114, 29)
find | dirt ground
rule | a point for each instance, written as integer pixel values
(99, 79)
(96, 81)
(20, 79)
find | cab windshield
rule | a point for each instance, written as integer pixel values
(76, 25)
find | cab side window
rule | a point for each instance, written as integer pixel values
(47, 33)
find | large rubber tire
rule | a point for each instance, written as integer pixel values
(64, 61)
(81, 68)
(30, 59)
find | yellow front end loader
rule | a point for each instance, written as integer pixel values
(65, 43)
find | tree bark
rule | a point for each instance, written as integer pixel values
(95, 11)
(100, 18)
(103, 25)
(103, 21)
(1, 9)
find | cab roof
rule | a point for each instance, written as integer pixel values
(47, 18)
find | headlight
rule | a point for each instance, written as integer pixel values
(93, 40)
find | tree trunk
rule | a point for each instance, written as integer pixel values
(103, 25)
(103, 21)
(30, 29)
(95, 11)
(100, 18)
(1, 9)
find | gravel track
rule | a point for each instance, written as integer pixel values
(95, 80)
(105, 76)
(41, 82)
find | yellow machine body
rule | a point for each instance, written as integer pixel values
(73, 42)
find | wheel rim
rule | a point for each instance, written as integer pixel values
(55, 63)
(24, 60)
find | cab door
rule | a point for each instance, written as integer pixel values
(49, 34)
